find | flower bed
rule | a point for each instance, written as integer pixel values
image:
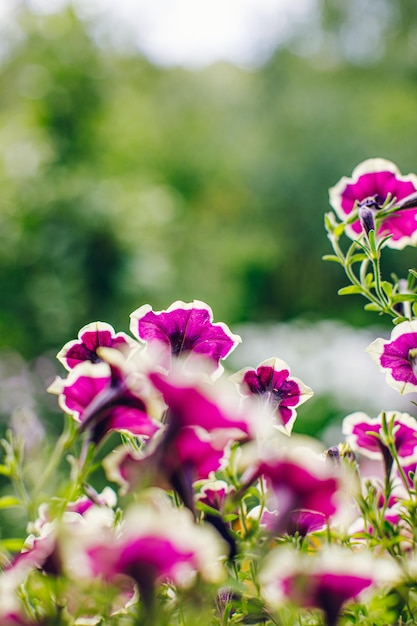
(179, 493)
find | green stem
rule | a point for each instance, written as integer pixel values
(63, 444)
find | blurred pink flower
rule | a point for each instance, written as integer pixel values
(90, 338)
(297, 482)
(324, 581)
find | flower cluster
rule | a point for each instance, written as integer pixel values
(180, 494)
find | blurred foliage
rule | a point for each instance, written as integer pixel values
(124, 183)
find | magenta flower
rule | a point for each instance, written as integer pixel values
(42, 554)
(184, 329)
(196, 405)
(90, 338)
(214, 494)
(271, 383)
(302, 521)
(102, 397)
(365, 435)
(192, 445)
(194, 454)
(373, 182)
(153, 547)
(398, 357)
(326, 581)
(107, 498)
(297, 482)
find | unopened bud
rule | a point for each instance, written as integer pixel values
(410, 202)
(366, 218)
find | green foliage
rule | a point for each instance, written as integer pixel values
(124, 183)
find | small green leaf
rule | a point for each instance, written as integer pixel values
(369, 280)
(4, 470)
(387, 287)
(351, 289)
(404, 297)
(372, 306)
(399, 319)
(414, 307)
(329, 221)
(358, 258)
(12, 545)
(413, 273)
(6, 502)
(202, 506)
(339, 230)
(332, 257)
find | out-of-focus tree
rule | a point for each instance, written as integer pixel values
(123, 183)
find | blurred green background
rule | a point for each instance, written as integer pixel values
(124, 183)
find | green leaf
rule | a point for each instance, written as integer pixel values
(4, 470)
(358, 258)
(404, 297)
(6, 502)
(369, 280)
(399, 319)
(413, 273)
(372, 306)
(414, 307)
(387, 287)
(351, 289)
(382, 242)
(329, 222)
(202, 506)
(332, 257)
(12, 545)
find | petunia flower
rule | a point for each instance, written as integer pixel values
(397, 357)
(200, 427)
(373, 183)
(190, 403)
(90, 338)
(297, 481)
(214, 493)
(105, 397)
(272, 384)
(324, 581)
(153, 547)
(184, 330)
(366, 435)
(194, 454)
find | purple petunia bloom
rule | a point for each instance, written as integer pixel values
(297, 481)
(373, 182)
(184, 330)
(102, 397)
(271, 383)
(325, 581)
(199, 428)
(398, 357)
(90, 338)
(192, 455)
(153, 547)
(365, 434)
(196, 405)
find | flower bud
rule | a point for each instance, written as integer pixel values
(366, 217)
